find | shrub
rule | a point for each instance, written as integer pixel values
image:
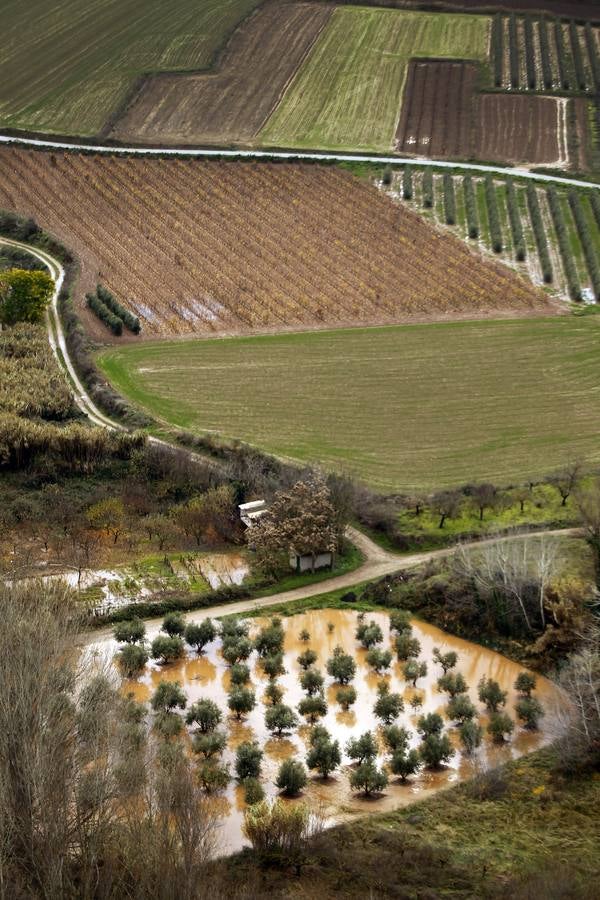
(407, 183)
(346, 696)
(493, 214)
(198, 635)
(386, 178)
(248, 759)
(427, 186)
(515, 220)
(280, 718)
(253, 791)
(291, 777)
(513, 50)
(404, 763)
(471, 734)
(209, 743)
(173, 624)
(368, 779)
(131, 631)
(341, 666)
(529, 52)
(132, 659)
(587, 240)
(529, 711)
(306, 659)
(435, 749)
(537, 222)
(278, 832)
(131, 322)
(471, 207)
(564, 244)
(449, 199)
(362, 748)
(205, 714)
(499, 726)
(167, 649)
(545, 53)
(498, 48)
(102, 312)
(311, 681)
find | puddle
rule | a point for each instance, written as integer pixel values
(208, 676)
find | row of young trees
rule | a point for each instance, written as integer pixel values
(564, 244)
(586, 239)
(514, 216)
(113, 314)
(539, 232)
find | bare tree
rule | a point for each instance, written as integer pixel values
(588, 504)
(484, 496)
(567, 479)
(580, 679)
(446, 504)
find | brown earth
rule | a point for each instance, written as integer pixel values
(574, 9)
(436, 109)
(232, 104)
(518, 128)
(205, 247)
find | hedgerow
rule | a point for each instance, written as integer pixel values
(428, 188)
(498, 49)
(102, 312)
(595, 201)
(493, 215)
(513, 50)
(529, 53)
(407, 183)
(535, 214)
(563, 68)
(587, 240)
(564, 245)
(577, 57)
(129, 321)
(545, 53)
(515, 220)
(449, 199)
(471, 207)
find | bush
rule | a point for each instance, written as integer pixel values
(545, 53)
(499, 726)
(248, 759)
(471, 207)
(132, 659)
(529, 711)
(535, 214)
(278, 832)
(427, 186)
(513, 50)
(498, 49)
(102, 312)
(407, 183)
(292, 777)
(564, 245)
(131, 322)
(587, 240)
(493, 214)
(515, 220)
(368, 779)
(449, 199)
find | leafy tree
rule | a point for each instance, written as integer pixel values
(435, 749)
(210, 743)
(213, 776)
(413, 670)
(453, 683)
(400, 620)
(239, 674)
(312, 682)
(205, 714)
(484, 496)
(500, 726)
(379, 659)
(324, 754)
(395, 737)
(269, 640)
(168, 696)
(174, 624)
(368, 779)
(273, 666)
(167, 649)
(407, 646)
(346, 696)
(404, 762)
(341, 666)
(108, 515)
(432, 723)
(446, 660)
(241, 701)
(369, 634)
(199, 634)
(131, 631)
(416, 702)
(388, 706)
(248, 760)
(24, 296)
(446, 504)
(312, 707)
(525, 683)
(274, 693)
(307, 658)
(460, 709)
(236, 650)
(471, 734)
(304, 635)
(280, 718)
(291, 777)
(491, 694)
(362, 748)
(132, 659)
(529, 711)
(212, 512)
(233, 629)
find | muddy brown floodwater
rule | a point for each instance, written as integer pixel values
(208, 676)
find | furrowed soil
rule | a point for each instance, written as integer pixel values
(520, 128)
(405, 408)
(233, 104)
(436, 110)
(205, 247)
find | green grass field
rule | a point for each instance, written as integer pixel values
(65, 66)
(348, 93)
(402, 407)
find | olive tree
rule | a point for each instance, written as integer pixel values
(491, 694)
(413, 670)
(241, 700)
(312, 682)
(446, 660)
(174, 624)
(379, 659)
(130, 631)
(404, 762)
(362, 748)
(167, 649)
(205, 714)
(500, 726)
(199, 634)
(529, 711)
(453, 684)
(346, 696)
(388, 705)
(132, 659)
(471, 734)
(248, 760)
(341, 666)
(312, 708)
(368, 779)
(307, 658)
(280, 718)
(291, 777)
(324, 754)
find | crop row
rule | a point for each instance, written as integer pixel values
(564, 246)
(586, 239)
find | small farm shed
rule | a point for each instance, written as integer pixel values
(310, 562)
(251, 512)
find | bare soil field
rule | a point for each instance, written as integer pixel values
(571, 8)
(436, 109)
(205, 247)
(522, 129)
(234, 103)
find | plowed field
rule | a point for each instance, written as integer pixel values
(519, 128)
(437, 109)
(233, 104)
(204, 247)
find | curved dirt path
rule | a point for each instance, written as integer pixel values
(293, 155)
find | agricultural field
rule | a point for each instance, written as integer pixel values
(401, 407)
(66, 67)
(514, 128)
(232, 104)
(348, 93)
(198, 247)
(549, 234)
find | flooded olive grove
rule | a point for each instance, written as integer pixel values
(207, 675)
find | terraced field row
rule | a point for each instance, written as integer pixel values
(550, 234)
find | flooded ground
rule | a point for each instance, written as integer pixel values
(208, 676)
